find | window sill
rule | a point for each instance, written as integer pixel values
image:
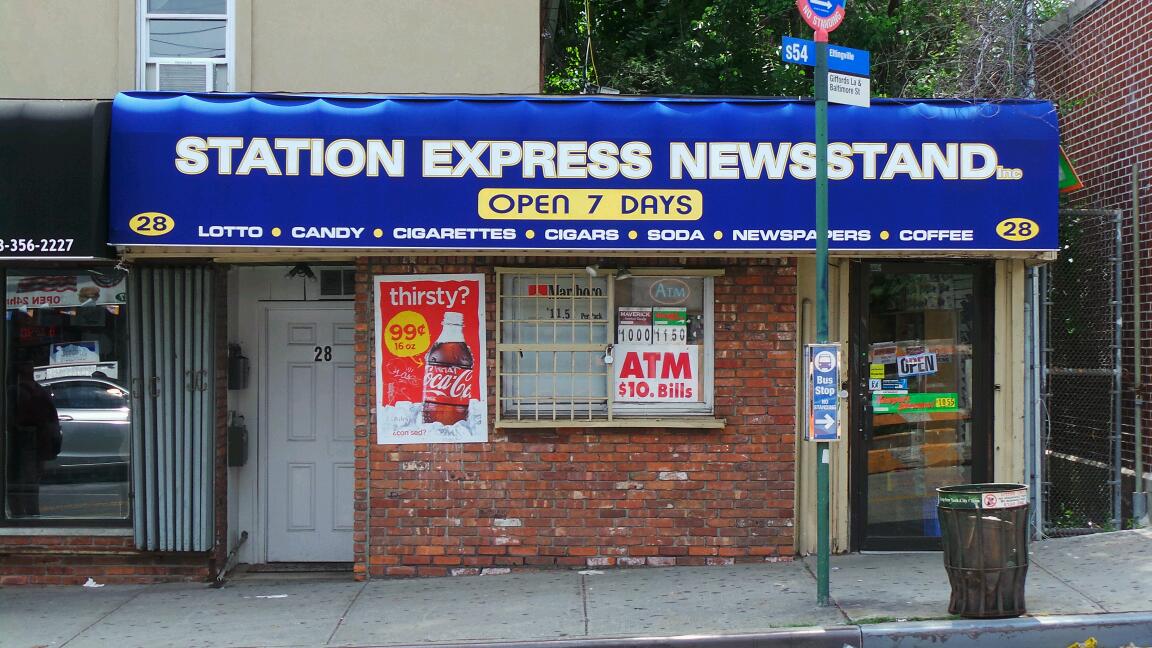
(681, 422)
(65, 531)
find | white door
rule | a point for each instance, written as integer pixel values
(309, 371)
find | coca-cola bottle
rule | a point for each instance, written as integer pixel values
(448, 374)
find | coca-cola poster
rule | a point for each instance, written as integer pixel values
(431, 378)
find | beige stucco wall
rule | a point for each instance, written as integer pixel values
(838, 330)
(388, 46)
(1010, 441)
(86, 49)
(67, 49)
(1010, 460)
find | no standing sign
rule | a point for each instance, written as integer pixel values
(822, 15)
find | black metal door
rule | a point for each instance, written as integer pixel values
(921, 371)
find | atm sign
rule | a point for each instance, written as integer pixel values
(657, 373)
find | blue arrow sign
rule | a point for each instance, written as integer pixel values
(825, 424)
(825, 8)
(840, 59)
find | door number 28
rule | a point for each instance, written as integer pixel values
(323, 354)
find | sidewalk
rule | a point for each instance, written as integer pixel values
(1077, 586)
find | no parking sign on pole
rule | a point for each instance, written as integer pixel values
(822, 15)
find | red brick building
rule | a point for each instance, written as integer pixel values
(291, 453)
(597, 497)
(634, 389)
(1093, 61)
(216, 371)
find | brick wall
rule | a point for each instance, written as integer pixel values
(220, 413)
(593, 497)
(1098, 70)
(71, 560)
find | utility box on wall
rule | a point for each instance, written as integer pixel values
(237, 442)
(238, 368)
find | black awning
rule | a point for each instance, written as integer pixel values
(54, 179)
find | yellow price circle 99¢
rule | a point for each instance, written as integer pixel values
(406, 334)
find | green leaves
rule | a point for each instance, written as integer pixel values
(731, 47)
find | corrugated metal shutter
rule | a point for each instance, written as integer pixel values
(171, 352)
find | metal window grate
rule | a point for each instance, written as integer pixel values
(553, 328)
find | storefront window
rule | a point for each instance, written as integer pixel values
(579, 347)
(66, 424)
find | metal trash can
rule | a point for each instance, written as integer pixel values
(984, 530)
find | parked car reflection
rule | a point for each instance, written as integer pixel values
(95, 419)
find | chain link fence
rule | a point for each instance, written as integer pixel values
(1082, 377)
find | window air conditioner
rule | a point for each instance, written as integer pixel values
(183, 77)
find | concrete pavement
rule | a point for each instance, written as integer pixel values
(1077, 588)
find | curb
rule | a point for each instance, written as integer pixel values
(833, 637)
(1115, 629)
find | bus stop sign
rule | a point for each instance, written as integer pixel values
(822, 15)
(823, 387)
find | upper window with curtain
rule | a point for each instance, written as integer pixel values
(186, 45)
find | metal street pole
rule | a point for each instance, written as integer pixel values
(822, 448)
(822, 16)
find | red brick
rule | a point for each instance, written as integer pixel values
(562, 484)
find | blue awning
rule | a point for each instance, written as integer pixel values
(579, 173)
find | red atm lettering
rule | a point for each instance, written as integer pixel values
(670, 365)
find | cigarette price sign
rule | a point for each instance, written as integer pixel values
(823, 378)
(634, 325)
(670, 325)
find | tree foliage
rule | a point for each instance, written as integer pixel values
(731, 47)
